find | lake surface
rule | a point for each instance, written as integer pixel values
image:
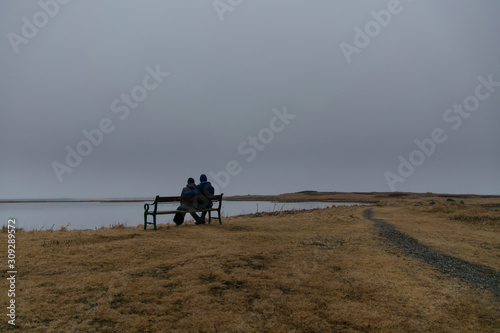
(92, 215)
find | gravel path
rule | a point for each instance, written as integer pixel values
(481, 276)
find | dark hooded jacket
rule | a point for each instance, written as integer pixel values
(189, 188)
(202, 190)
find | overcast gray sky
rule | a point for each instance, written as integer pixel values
(127, 98)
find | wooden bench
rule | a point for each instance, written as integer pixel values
(154, 207)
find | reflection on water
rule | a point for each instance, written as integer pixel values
(91, 215)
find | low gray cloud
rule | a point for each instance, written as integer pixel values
(67, 66)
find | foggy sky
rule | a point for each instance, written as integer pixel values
(260, 93)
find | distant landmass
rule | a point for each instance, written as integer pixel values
(308, 195)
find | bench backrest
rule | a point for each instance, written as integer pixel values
(193, 198)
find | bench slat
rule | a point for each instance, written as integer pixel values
(193, 198)
(186, 211)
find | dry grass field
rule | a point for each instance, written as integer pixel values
(313, 271)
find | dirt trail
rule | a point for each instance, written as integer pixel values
(481, 276)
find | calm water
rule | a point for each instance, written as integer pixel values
(91, 215)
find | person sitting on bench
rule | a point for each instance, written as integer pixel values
(201, 191)
(186, 205)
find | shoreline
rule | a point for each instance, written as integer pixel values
(303, 196)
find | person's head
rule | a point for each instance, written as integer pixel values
(203, 178)
(190, 180)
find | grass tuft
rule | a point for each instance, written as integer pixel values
(490, 219)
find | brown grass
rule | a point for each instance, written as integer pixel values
(317, 271)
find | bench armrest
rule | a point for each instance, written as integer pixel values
(154, 203)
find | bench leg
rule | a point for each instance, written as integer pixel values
(209, 216)
(145, 220)
(154, 221)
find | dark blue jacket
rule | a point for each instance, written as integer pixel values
(203, 189)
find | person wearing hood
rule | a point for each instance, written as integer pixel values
(201, 191)
(186, 205)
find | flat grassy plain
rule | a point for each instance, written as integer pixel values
(322, 270)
